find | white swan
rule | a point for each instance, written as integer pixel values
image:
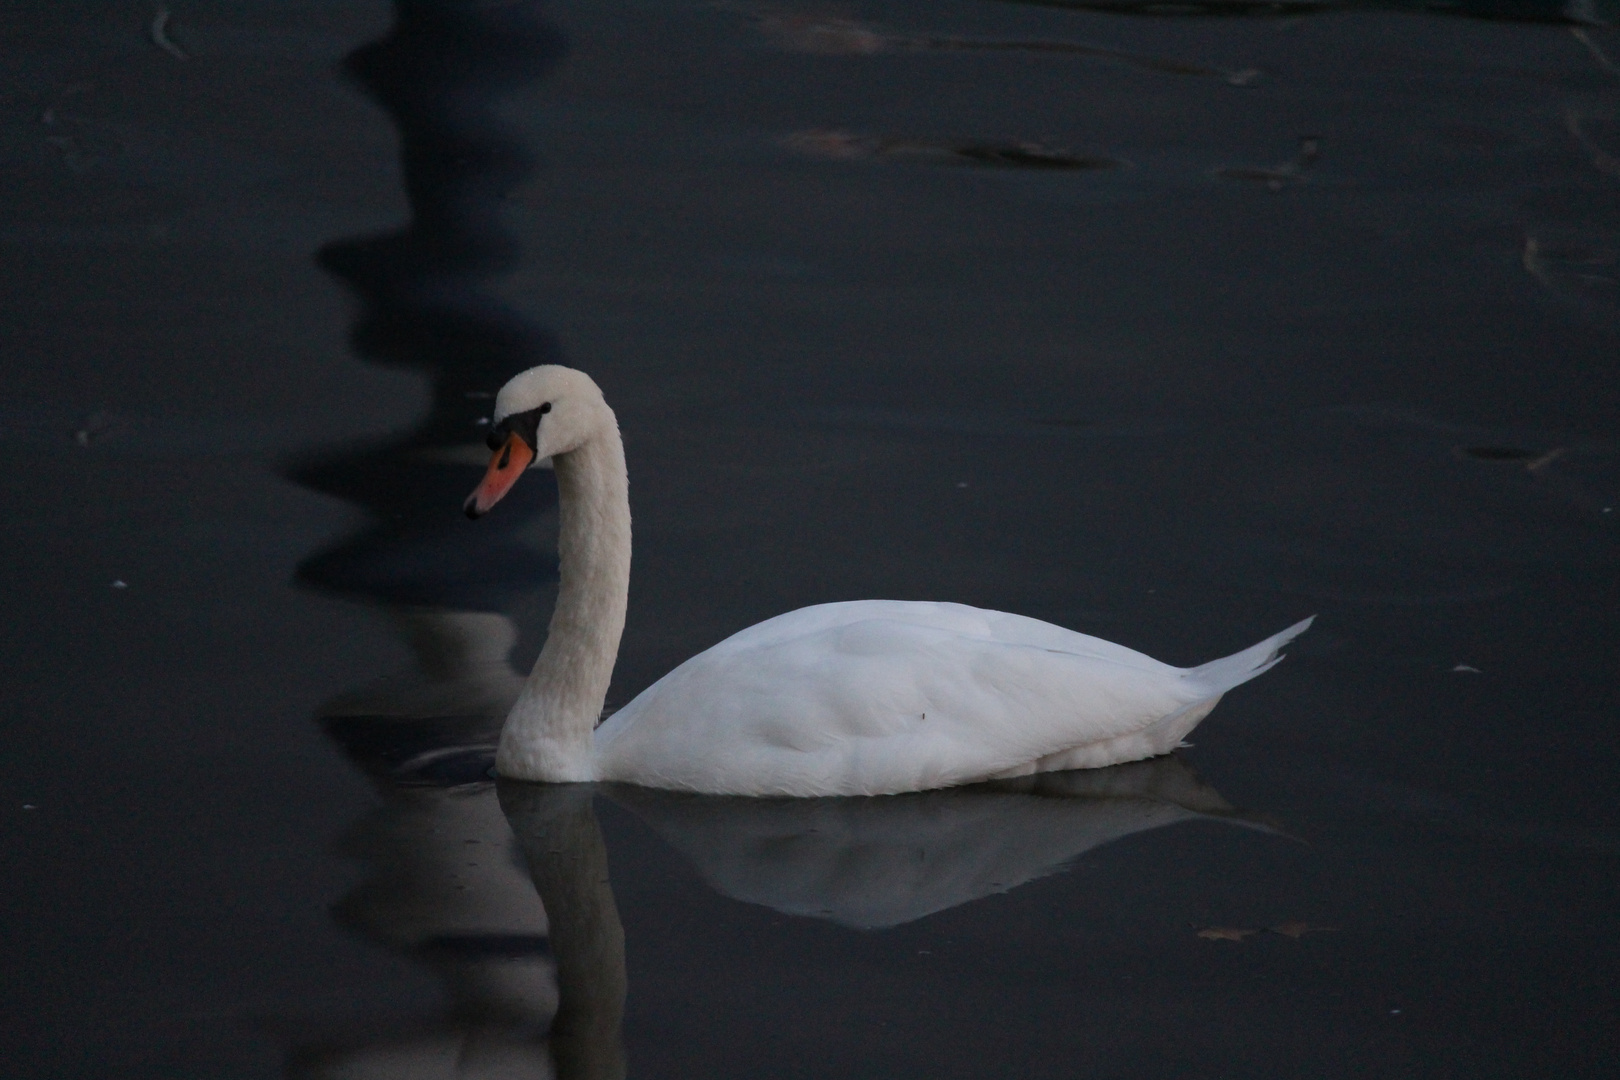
(869, 697)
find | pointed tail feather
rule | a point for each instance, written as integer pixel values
(1219, 676)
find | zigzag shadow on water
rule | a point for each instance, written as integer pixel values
(444, 884)
(882, 861)
(440, 74)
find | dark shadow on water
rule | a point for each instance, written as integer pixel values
(444, 884)
(426, 308)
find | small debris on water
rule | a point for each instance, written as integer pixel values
(29, 806)
(159, 31)
(1545, 459)
(1310, 148)
(1030, 155)
(120, 584)
(96, 426)
(1394, 1012)
(849, 146)
(961, 483)
(847, 37)
(1297, 930)
(1468, 669)
(825, 36)
(1225, 933)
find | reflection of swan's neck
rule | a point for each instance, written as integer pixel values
(548, 733)
(562, 843)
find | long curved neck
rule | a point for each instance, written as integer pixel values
(548, 734)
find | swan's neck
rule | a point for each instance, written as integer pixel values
(548, 734)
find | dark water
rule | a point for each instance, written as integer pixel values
(1169, 323)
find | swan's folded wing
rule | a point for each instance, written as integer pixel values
(874, 706)
(960, 619)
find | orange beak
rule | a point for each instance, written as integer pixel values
(504, 469)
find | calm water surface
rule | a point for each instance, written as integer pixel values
(1169, 323)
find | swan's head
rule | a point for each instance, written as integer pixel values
(543, 412)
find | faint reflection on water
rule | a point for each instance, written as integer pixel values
(868, 863)
(444, 884)
(873, 863)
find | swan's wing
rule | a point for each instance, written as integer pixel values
(933, 698)
(969, 622)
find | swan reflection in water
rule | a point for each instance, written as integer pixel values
(504, 893)
(444, 884)
(881, 861)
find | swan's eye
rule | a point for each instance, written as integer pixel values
(525, 425)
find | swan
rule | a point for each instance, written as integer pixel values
(866, 697)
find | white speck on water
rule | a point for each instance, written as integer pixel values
(1608, 509)
(482, 421)
(1468, 670)
(961, 483)
(925, 952)
(120, 584)
(29, 806)
(1394, 1012)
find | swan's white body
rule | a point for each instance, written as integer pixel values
(875, 697)
(862, 698)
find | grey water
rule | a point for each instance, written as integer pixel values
(1171, 323)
